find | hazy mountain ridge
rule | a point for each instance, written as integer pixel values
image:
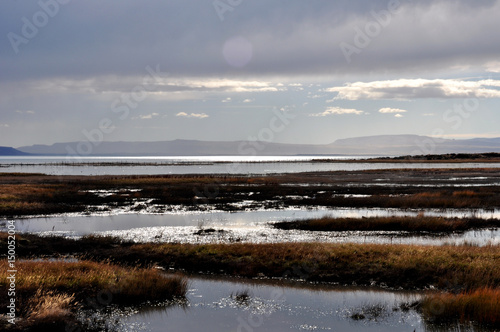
(8, 151)
(367, 145)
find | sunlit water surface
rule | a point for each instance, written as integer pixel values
(250, 226)
(259, 305)
(204, 165)
(214, 305)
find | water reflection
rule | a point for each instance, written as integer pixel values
(251, 226)
(213, 306)
(86, 224)
(267, 305)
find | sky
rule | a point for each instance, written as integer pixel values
(285, 71)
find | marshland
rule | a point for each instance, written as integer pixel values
(422, 240)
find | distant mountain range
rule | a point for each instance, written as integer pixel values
(386, 145)
(7, 151)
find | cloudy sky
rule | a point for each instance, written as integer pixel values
(291, 71)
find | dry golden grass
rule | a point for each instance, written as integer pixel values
(465, 193)
(407, 266)
(443, 199)
(49, 306)
(86, 277)
(22, 199)
(47, 291)
(481, 306)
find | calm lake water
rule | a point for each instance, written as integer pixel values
(250, 226)
(213, 305)
(203, 165)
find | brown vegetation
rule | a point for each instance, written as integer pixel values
(407, 266)
(48, 290)
(395, 265)
(466, 269)
(480, 306)
(38, 194)
(418, 223)
(488, 157)
(51, 291)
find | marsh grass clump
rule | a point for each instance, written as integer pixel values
(480, 306)
(407, 266)
(51, 291)
(457, 267)
(84, 278)
(372, 312)
(242, 298)
(49, 309)
(419, 223)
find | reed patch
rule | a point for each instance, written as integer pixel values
(51, 291)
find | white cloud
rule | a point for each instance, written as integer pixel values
(227, 100)
(398, 115)
(391, 110)
(25, 112)
(248, 100)
(428, 114)
(160, 85)
(146, 117)
(493, 66)
(418, 88)
(4, 125)
(192, 115)
(226, 85)
(338, 111)
(316, 96)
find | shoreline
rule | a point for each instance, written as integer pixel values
(487, 157)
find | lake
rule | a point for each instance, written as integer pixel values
(205, 165)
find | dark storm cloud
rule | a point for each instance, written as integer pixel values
(188, 38)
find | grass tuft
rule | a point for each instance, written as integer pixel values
(47, 307)
(49, 292)
(418, 223)
(481, 306)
